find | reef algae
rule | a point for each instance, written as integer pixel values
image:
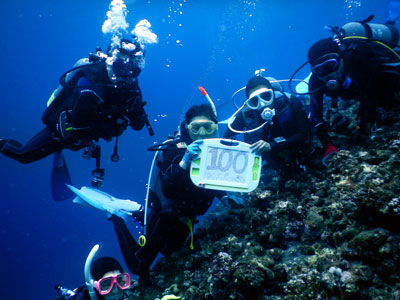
(334, 234)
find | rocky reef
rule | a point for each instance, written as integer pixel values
(332, 234)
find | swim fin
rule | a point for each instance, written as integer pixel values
(59, 178)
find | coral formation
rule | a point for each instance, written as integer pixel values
(334, 234)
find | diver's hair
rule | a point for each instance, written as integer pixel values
(204, 110)
(103, 265)
(257, 82)
(276, 86)
(321, 48)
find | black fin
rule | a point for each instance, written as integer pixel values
(59, 178)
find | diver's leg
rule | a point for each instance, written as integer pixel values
(177, 234)
(155, 238)
(163, 237)
(127, 243)
(40, 146)
(138, 259)
(60, 178)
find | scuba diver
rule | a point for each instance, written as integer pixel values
(97, 99)
(106, 281)
(359, 62)
(174, 200)
(274, 123)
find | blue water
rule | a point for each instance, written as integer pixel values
(217, 46)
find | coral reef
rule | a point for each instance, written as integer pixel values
(334, 234)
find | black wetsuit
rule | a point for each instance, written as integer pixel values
(166, 227)
(290, 123)
(365, 79)
(90, 107)
(82, 293)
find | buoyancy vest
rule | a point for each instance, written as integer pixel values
(64, 97)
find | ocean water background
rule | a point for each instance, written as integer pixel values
(215, 44)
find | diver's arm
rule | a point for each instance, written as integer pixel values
(316, 100)
(135, 112)
(174, 177)
(300, 123)
(316, 110)
(137, 115)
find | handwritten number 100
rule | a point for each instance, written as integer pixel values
(222, 160)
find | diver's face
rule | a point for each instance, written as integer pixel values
(333, 76)
(202, 127)
(259, 98)
(329, 68)
(116, 292)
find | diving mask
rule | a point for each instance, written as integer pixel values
(200, 127)
(260, 98)
(105, 285)
(326, 68)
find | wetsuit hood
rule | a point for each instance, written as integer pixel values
(322, 50)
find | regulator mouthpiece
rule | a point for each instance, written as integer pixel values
(332, 85)
(268, 114)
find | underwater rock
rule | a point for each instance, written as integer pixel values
(332, 235)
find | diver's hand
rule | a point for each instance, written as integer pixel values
(192, 152)
(260, 147)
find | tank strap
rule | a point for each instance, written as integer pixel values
(368, 30)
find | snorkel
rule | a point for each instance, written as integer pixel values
(89, 280)
(204, 92)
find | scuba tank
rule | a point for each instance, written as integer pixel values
(385, 33)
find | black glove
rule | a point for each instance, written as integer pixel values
(138, 116)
